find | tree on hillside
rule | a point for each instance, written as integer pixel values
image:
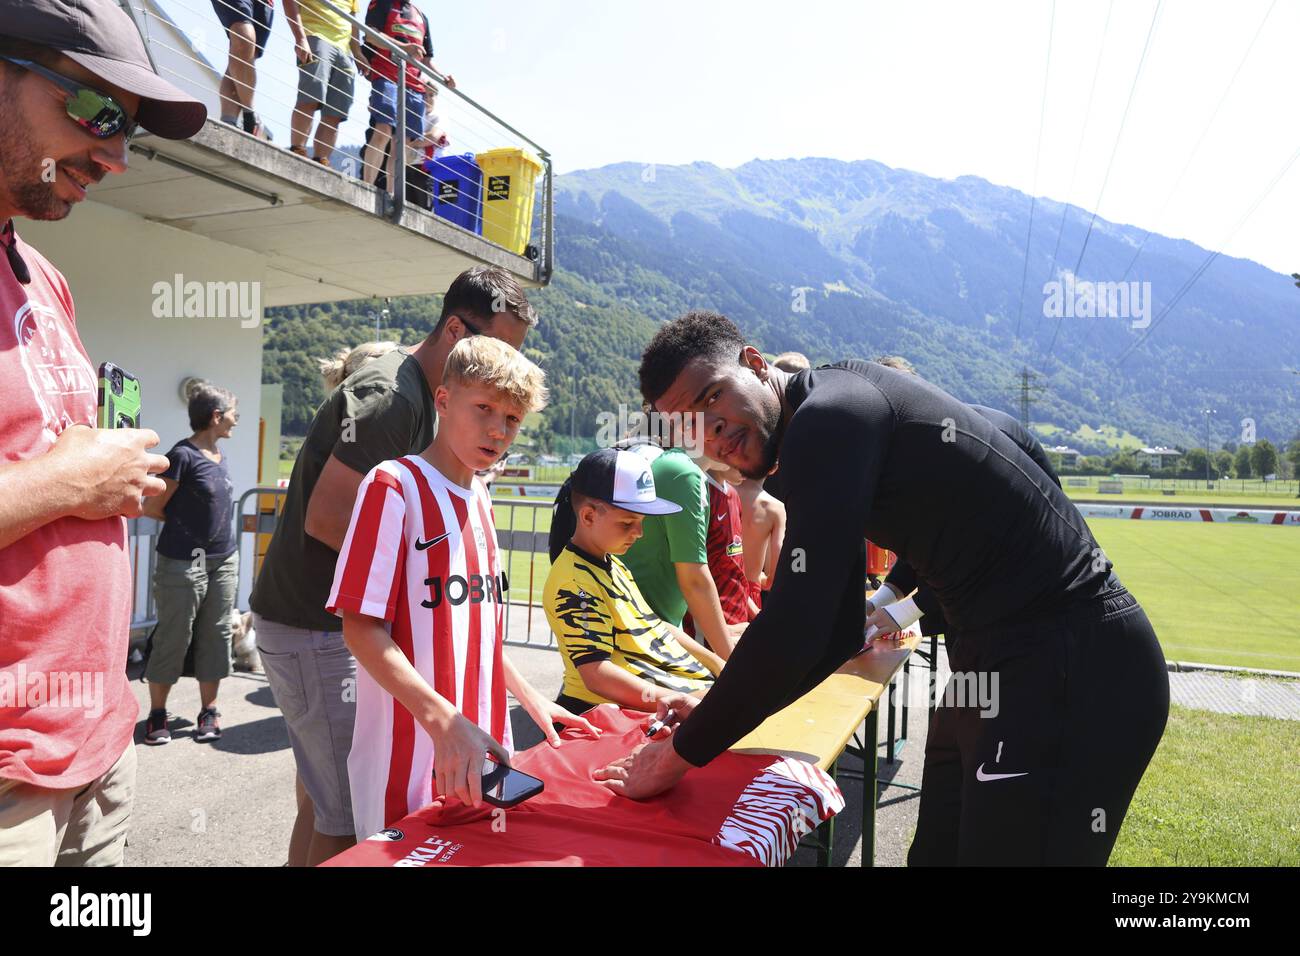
(1293, 454)
(1264, 458)
(1193, 463)
(1242, 462)
(1222, 464)
(1125, 463)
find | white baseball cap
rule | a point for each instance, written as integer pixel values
(622, 479)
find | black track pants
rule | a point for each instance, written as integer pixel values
(1074, 706)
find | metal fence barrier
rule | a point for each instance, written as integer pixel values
(141, 539)
(520, 540)
(521, 543)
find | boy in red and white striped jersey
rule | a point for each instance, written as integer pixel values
(420, 587)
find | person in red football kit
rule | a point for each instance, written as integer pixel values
(75, 80)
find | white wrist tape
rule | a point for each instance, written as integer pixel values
(904, 613)
(885, 595)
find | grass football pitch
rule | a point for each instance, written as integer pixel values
(1216, 593)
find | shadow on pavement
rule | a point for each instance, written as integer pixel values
(262, 697)
(259, 737)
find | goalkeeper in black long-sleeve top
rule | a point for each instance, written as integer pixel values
(1040, 769)
(901, 579)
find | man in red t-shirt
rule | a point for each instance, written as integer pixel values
(74, 80)
(407, 26)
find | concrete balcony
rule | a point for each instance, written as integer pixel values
(323, 235)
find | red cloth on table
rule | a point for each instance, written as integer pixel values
(740, 810)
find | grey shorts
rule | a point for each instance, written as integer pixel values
(328, 80)
(193, 600)
(313, 676)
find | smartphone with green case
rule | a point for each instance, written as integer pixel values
(119, 398)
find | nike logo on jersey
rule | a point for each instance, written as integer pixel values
(426, 545)
(981, 775)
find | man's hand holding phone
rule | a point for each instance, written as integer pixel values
(107, 471)
(459, 747)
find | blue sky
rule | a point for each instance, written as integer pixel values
(943, 88)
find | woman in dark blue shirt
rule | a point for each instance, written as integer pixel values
(198, 564)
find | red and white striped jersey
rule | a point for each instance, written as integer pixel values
(421, 554)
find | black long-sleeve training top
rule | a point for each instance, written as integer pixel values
(870, 452)
(902, 576)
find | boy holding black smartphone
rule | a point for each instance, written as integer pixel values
(420, 587)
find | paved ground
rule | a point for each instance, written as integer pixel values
(1233, 694)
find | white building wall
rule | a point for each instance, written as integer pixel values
(112, 260)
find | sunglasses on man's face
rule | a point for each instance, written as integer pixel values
(95, 112)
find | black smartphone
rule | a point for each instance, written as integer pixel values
(506, 787)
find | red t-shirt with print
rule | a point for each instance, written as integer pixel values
(66, 710)
(404, 22)
(726, 561)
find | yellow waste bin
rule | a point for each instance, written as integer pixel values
(509, 178)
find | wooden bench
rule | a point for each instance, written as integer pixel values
(820, 726)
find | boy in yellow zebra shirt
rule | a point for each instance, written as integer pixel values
(615, 648)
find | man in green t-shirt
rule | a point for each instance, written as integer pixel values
(669, 562)
(383, 410)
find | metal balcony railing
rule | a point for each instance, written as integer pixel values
(190, 49)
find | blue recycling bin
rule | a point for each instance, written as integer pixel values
(457, 188)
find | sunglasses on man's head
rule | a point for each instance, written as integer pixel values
(95, 112)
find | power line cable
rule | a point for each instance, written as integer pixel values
(1137, 75)
(1201, 139)
(1209, 260)
(1083, 138)
(1038, 155)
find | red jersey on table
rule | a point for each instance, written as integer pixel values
(421, 554)
(66, 709)
(739, 810)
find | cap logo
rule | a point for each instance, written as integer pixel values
(645, 482)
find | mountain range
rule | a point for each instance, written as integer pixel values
(856, 259)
